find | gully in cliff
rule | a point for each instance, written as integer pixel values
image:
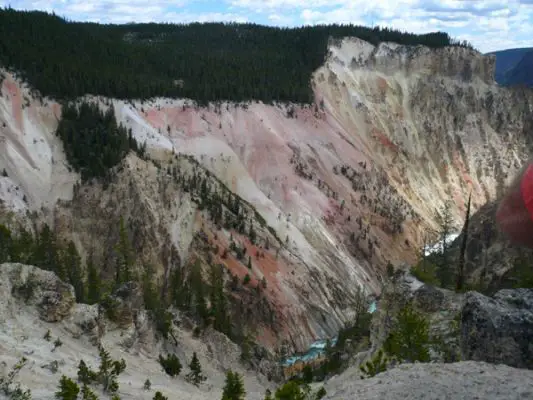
(515, 213)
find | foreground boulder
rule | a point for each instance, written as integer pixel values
(458, 381)
(499, 329)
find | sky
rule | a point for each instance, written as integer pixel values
(488, 24)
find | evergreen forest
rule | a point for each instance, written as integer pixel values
(93, 140)
(201, 61)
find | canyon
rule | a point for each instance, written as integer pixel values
(342, 187)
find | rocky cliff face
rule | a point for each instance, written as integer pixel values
(492, 261)
(36, 309)
(417, 107)
(467, 331)
(499, 329)
(346, 185)
(34, 302)
(462, 326)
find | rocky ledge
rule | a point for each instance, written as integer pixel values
(459, 381)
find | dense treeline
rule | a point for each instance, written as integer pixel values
(93, 140)
(189, 291)
(205, 62)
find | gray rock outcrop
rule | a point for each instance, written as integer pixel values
(499, 329)
(458, 381)
(52, 298)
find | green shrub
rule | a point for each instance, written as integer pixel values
(234, 387)
(307, 373)
(87, 393)
(374, 366)
(290, 391)
(171, 364)
(9, 389)
(195, 376)
(107, 374)
(57, 343)
(109, 371)
(521, 274)
(85, 375)
(426, 272)
(148, 384)
(68, 389)
(159, 396)
(110, 306)
(390, 270)
(321, 393)
(409, 341)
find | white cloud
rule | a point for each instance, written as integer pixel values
(488, 24)
(285, 4)
(125, 11)
(281, 20)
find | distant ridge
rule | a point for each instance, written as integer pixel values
(514, 66)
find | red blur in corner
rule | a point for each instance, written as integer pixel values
(515, 213)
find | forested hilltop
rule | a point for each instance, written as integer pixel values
(204, 62)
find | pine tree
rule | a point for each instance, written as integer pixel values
(290, 391)
(460, 274)
(171, 364)
(94, 283)
(195, 376)
(390, 270)
(109, 371)
(72, 264)
(6, 244)
(307, 374)
(46, 253)
(252, 234)
(150, 295)
(24, 248)
(68, 389)
(178, 288)
(219, 309)
(445, 221)
(409, 341)
(87, 393)
(125, 256)
(234, 387)
(85, 374)
(198, 291)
